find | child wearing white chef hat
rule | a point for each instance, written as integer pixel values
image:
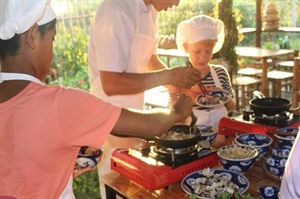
(41, 127)
(201, 37)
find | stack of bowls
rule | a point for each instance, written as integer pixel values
(237, 158)
(208, 133)
(286, 141)
(261, 142)
(278, 152)
(276, 165)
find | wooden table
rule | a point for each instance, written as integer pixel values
(116, 184)
(263, 55)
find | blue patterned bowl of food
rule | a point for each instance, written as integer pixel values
(276, 165)
(286, 141)
(261, 142)
(88, 157)
(208, 133)
(237, 158)
(268, 192)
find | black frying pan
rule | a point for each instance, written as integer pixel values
(269, 106)
(175, 144)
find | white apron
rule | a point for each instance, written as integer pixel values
(140, 53)
(211, 116)
(68, 191)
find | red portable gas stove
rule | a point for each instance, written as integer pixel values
(250, 122)
(158, 168)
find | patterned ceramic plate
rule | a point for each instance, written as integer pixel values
(216, 98)
(204, 178)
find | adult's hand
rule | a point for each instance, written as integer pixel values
(183, 106)
(184, 77)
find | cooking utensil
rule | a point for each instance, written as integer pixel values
(174, 144)
(200, 84)
(269, 106)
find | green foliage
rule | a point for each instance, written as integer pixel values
(87, 186)
(69, 66)
(168, 21)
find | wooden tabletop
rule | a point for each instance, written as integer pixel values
(263, 55)
(117, 184)
(259, 53)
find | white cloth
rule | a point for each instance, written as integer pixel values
(200, 28)
(291, 178)
(68, 191)
(122, 39)
(16, 16)
(212, 116)
(18, 76)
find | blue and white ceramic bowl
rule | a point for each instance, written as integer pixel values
(276, 165)
(191, 183)
(268, 192)
(286, 141)
(280, 152)
(237, 158)
(208, 133)
(261, 142)
(88, 157)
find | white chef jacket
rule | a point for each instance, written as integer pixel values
(291, 178)
(122, 39)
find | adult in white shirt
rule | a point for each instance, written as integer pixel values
(123, 61)
(291, 178)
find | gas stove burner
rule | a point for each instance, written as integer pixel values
(174, 157)
(162, 151)
(280, 120)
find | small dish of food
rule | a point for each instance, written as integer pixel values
(88, 157)
(214, 99)
(208, 133)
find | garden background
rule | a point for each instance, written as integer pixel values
(70, 64)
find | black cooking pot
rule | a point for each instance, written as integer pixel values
(268, 105)
(176, 144)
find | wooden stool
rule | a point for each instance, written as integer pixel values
(249, 71)
(279, 79)
(246, 85)
(285, 65)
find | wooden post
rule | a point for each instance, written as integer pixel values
(258, 22)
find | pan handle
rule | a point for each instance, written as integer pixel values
(258, 94)
(123, 135)
(194, 119)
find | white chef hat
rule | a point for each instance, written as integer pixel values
(198, 28)
(17, 16)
